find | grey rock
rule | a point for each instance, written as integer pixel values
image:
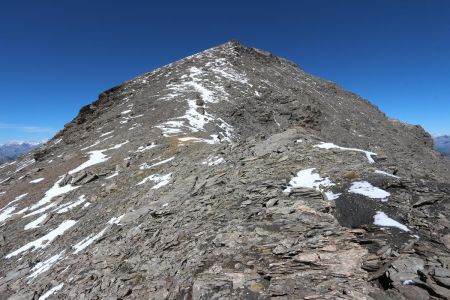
(197, 209)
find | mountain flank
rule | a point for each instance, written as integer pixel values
(230, 174)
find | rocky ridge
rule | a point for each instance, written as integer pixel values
(230, 174)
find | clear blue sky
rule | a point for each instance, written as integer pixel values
(56, 56)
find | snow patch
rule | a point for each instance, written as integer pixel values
(45, 265)
(385, 174)
(214, 139)
(35, 223)
(107, 133)
(113, 175)
(4, 180)
(366, 189)
(51, 291)
(70, 205)
(145, 166)
(213, 161)
(45, 240)
(308, 179)
(37, 180)
(6, 213)
(161, 180)
(86, 242)
(333, 146)
(145, 148)
(95, 157)
(332, 196)
(53, 192)
(381, 219)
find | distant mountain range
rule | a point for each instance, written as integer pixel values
(11, 150)
(442, 144)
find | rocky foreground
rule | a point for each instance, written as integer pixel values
(230, 174)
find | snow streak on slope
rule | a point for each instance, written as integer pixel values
(333, 146)
(207, 87)
(45, 240)
(51, 291)
(44, 266)
(86, 242)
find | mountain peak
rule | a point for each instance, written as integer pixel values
(228, 174)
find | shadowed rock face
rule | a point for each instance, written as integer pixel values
(230, 174)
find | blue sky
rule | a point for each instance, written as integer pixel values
(56, 56)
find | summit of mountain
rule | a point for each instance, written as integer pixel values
(230, 174)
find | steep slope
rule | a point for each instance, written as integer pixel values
(12, 150)
(229, 174)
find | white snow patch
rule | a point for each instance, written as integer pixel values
(118, 145)
(83, 244)
(45, 265)
(161, 180)
(116, 220)
(51, 291)
(95, 157)
(210, 92)
(86, 242)
(70, 205)
(381, 219)
(4, 180)
(45, 240)
(57, 142)
(107, 133)
(332, 196)
(107, 138)
(145, 148)
(6, 213)
(214, 139)
(385, 174)
(408, 282)
(213, 161)
(126, 112)
(20, 197)
(23, 165)
(53, 192)
(333, 146)
(37, 180)
(93, 145)
(35, 223)
(308, 179)
(113, 175)
(368, 190)
(145, 166)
